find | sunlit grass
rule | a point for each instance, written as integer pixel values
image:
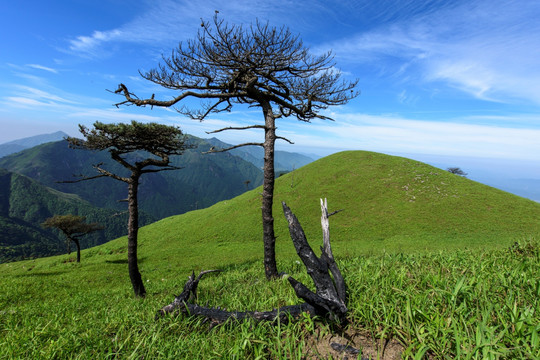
(470, 304)
(427, 256)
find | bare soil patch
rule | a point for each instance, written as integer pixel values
(352, 344)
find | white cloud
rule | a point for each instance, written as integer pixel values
(489, 49)
(165, 22)
(19, 101)
(91, 45)
(41, 67)
(40, 94)
(402, 135)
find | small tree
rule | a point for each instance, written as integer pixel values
(73, 227)
(456, 171)
(259, 66)
(158, 142)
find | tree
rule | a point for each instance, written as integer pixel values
(157, 142)
(456, 171)
(258, 66)
(73, 227)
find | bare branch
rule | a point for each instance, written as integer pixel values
(287, 140)
(161, 169)
(214, 150)
(237, 128)
(80, 179)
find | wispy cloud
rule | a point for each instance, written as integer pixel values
(88, 45)
(168, 21)
(489, 49)
(39, 95)
(41, 67)
(459, 136)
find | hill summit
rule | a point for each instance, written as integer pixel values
(389, 203)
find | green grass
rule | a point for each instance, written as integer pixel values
(390, 204)
(427, 256)
(471, 304)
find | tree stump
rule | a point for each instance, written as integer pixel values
(329, 300)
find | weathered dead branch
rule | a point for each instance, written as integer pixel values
(329, 299)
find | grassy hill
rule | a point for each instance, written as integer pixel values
(446, 303)
(389, 204)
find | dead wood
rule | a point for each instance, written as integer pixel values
(329, 299)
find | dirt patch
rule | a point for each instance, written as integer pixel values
(352, 344)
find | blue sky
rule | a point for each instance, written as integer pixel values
(443, 78)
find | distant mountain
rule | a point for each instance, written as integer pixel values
(25, 204)
(203, 180)
(26, 143)
(284, 161)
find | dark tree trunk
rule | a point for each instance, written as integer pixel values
(76, 241)
(133, 230)
(269, 239)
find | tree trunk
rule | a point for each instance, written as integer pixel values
(76, 241)
(269, 239)
(133, 230)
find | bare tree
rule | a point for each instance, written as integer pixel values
(158, 141)
(259, 66)
(457, 171)
(73, 227)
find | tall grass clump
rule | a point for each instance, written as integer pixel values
(463, 304)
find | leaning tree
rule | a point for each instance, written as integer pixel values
(73, 227)
(259, 66)
(155, 143)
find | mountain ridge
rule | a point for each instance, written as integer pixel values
(201, 181)
(17, 145)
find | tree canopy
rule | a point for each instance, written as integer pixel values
(73, 227)
(229, 64)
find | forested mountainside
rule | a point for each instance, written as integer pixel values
(203, 179)
(25, 204)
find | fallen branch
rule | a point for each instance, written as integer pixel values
(329, 300)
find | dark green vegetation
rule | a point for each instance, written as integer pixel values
(141, 149)
(204, 180)
(428, 257)
(25, 204)
(73, 227)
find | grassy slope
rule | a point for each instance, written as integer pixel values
(390, 203)
(446, 303)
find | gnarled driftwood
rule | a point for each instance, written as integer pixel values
(329, 299)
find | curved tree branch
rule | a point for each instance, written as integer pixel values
(214, 150)
(236, 128)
